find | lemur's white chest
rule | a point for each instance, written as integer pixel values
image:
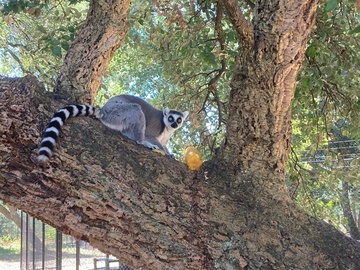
(164, 137)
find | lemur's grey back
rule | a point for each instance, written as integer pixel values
(154, 124)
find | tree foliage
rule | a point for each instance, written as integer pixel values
(325, 110)
(36, 34)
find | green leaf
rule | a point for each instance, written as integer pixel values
(56, 51)
(55, 42)
(355, 30)
(65, 45)
(311, 50)
(331, 4)
(41, 28)
(71, 29)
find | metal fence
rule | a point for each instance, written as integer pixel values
(45, 248)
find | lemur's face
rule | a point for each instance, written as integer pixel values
(174, 119)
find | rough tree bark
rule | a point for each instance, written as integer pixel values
(88, 58)
(151, 211)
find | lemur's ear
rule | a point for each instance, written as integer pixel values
(185, 114)
(166, 111)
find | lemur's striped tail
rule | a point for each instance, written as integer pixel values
(57, 121)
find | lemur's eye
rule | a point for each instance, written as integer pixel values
(171, 119)
(179, 120)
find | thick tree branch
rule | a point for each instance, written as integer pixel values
(146, 209)
(88, 57)
(108, 190)
(221, 40)
(242, 26)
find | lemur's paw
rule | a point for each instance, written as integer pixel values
(150, 145)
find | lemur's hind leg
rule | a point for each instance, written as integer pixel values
(127, 118)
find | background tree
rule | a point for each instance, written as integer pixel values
(151, 211)
(326, 99)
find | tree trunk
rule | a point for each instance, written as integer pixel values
(345, 203)
(10, 213)
(259, 132)
(88, 58)
(149, 210)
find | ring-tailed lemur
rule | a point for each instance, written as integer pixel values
(132, 116)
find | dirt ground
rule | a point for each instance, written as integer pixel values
(85, 264)
(5, 265)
